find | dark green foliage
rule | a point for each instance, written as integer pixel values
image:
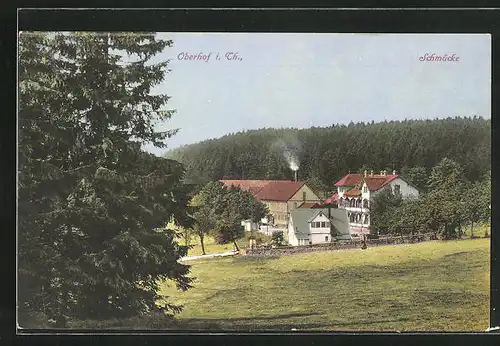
(418, 176)
(92, 205)
(451, 203)
(277, 238)
(382, 208)
(319, 187)
(225, 208)
(327, 154)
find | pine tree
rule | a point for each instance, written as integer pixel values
(93, 207)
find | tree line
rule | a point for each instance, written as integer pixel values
(327, 154)
(448, 203)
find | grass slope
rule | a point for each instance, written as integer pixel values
(212, 247)
(432, 286)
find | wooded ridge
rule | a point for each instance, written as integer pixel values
(327, 154)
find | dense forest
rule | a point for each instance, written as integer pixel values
(327, 154)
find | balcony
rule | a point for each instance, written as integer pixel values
(353, 206)
(357, 209)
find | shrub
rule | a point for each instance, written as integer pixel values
(277, 238)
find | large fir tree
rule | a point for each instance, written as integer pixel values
(92, 205)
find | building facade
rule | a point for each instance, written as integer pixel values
(309, 226)
(280, 196)
(355, 191)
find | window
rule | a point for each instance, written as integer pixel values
(304, 196)
(326, 238)
(397, 189)
(327, 224)
(323, 224)
(295, 205)
(365, 189)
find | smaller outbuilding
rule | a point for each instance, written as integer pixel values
(309, 226)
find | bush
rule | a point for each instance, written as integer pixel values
(277, 238)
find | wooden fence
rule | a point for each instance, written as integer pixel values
(339, 245)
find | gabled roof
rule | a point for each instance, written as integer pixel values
(280, 190)
(377, 182)
(373, 182)
(268, 190)
(350, 180)
(300, 218)
(354, 192)
(331, 201)
(253, 186)
(320, 212)
(332, 198)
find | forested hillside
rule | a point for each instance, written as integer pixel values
(326, 154)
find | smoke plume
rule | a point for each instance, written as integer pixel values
(290, 147)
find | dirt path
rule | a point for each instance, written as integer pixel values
(219, 254)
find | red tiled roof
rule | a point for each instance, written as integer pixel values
(350, 180)
(374, 182)
(312, 205)
(353, 192)
(267, 190)
(307, 205)
(279, 190)
(253, 186)
(332, 199)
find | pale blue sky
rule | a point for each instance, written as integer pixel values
(304, 80)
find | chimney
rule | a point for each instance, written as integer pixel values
(366, 172)
(371, 172)
(381, 172)
(394, 172)
(384, 172)
(295, 175)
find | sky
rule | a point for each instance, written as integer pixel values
(306, 79)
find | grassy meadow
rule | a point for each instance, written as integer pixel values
(431, 286)
(212, 247)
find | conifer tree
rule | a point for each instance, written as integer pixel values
(93, 207)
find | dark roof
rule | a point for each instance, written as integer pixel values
(268, 190)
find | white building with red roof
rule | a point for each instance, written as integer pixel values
(280, 196)
(354, 192)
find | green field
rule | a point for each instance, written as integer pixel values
(432, 286)
(212, 247)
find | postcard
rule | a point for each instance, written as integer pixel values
(254, 182)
